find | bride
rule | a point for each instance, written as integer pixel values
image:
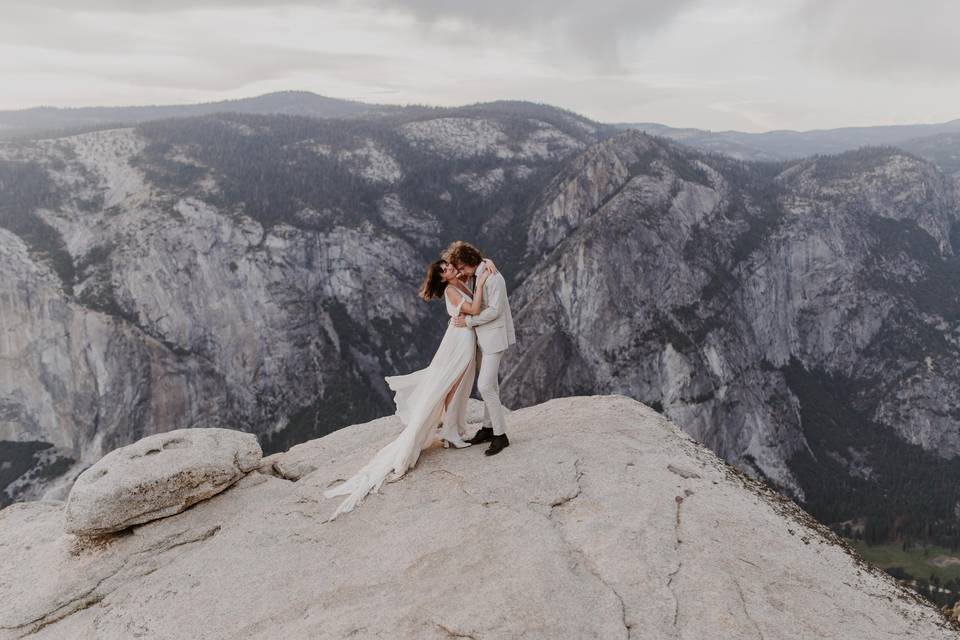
(423, 397)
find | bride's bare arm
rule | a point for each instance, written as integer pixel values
(473, 308)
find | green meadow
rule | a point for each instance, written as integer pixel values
(916, 560)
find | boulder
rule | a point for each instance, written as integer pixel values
(601, 520)
(156, 477)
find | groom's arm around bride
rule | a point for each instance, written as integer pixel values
(492, 313)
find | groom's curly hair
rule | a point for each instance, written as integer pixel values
(460, 252)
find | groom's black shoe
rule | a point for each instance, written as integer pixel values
(497, 444)
(484, 435)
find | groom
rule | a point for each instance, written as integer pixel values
(494, 326)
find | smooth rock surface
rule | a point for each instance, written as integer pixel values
(306, 457)
(158, 476)
(601, 520)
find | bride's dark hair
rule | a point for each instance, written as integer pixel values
(433, 284)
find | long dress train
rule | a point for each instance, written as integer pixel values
(419, 397)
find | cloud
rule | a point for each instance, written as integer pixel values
(510, 14)
(591, 32)
(641, 14)
(162, 6)
(40, 27)
(884, 39)
(210, 52)
(212, 68)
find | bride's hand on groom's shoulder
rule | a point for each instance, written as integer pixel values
(491, 268)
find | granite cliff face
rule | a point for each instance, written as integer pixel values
(733, 296)
(602, 520)
(243, 271)
(625, 298)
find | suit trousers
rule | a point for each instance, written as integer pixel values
(488, 385)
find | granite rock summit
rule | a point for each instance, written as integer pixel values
(603, 519)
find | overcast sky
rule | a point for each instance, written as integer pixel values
(716, 64)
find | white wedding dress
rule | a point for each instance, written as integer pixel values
(419, 397)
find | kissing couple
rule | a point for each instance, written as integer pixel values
(480, 330)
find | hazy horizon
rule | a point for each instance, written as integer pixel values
(724, 65)
(384, 103)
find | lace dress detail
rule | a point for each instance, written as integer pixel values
(419, 398)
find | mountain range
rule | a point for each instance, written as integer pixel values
(939, 142)
(928, 140)
(54, 121)
(258, 271)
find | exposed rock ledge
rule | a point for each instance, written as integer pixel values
(602, 520)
